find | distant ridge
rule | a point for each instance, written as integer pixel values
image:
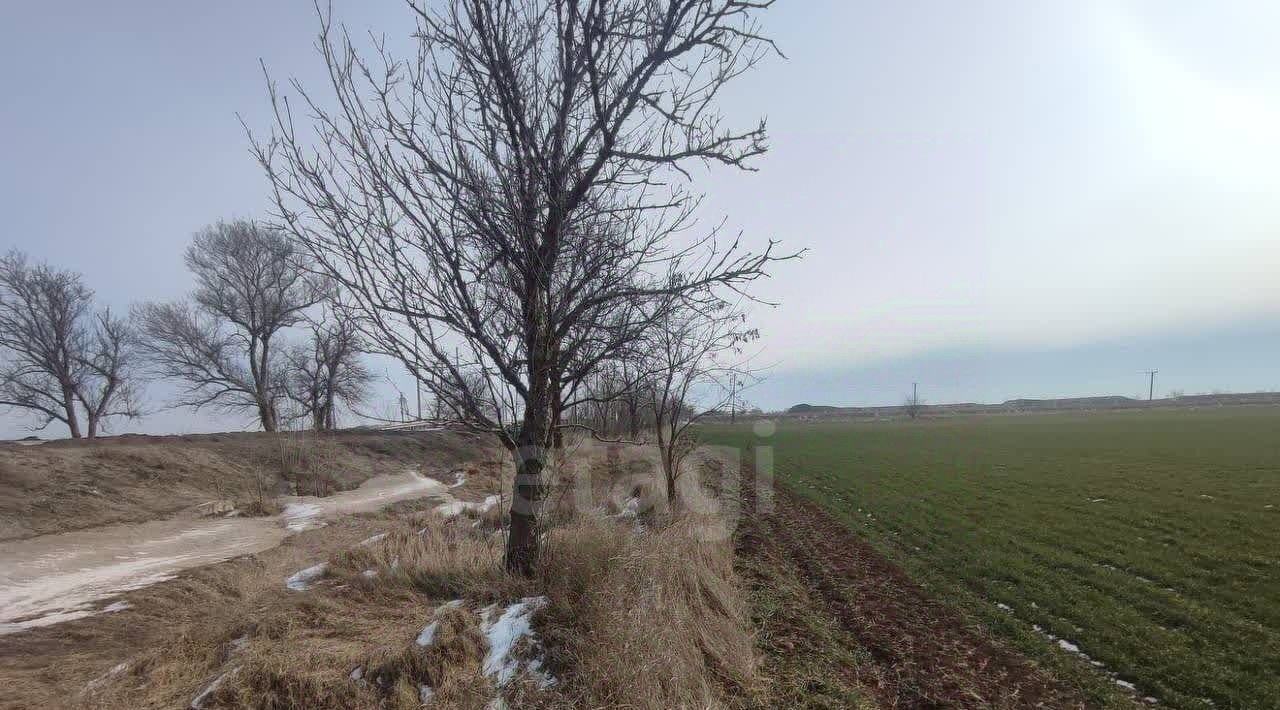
(810, 408)
(1013, 406)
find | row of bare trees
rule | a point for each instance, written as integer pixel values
(508, 209)
(508, 212)
(64, 361)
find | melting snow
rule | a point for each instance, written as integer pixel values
(425, 693)
(1126, 685)
(117, 606)
(370, 540)
(301, 581)
(199, 701)
(1067, 646)
(1004, 607)
(298, 515)
(357, 673)
(97, 682)
(504, 634)
(428, 635)
(459, 479)
(369, 573)
(456, 508)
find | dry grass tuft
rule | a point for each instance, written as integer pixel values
(442, 559)
(645, 619)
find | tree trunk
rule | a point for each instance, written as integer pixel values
(73, 419)
(92, 421)
(530, 459)
(267, 414)
(633, 414)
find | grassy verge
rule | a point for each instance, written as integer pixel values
(638, 612)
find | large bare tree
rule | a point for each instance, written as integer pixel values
(59, 358)
(513, 197)
(251, 283)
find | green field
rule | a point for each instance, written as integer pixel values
(1150, 540)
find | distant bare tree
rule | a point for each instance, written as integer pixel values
(59, 356)
(694, 356)
(327, 371)
(110, 385)
(515, 191)
(913, 405)
(251, 283)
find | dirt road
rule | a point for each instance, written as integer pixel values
(55, 578)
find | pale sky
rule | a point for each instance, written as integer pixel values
(1000, 199)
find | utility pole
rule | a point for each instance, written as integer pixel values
(733, 393)
(915, 397)
(1151, 391)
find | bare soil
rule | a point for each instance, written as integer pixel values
(840, 625)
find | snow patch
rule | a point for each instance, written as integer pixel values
(456, 508)
(369, 573)
(459, 479)
(357, 673)
(1004, 607)
(98, 682)
(428, 634)
(425, 693)
(1069, 647)
(299, 516)
(301, 581)
(370, 540)
(198, 702)
(504, 634)
(1097, 500)
(116, 606)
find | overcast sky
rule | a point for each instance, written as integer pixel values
(999, 199)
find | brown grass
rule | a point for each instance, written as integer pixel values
(61, 486)
(638, 616)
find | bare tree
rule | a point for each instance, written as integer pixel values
(327, 371)
(110, 384)
(515, 191)
(251, 283)
(59, 356)
(694, 356)
(913, 405)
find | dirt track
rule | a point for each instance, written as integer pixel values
(921, 653)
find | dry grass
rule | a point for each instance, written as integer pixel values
(639, 615)
(645, 619)
(61, 486)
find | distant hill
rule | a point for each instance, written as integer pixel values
(1013, 406)
(812, 409)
